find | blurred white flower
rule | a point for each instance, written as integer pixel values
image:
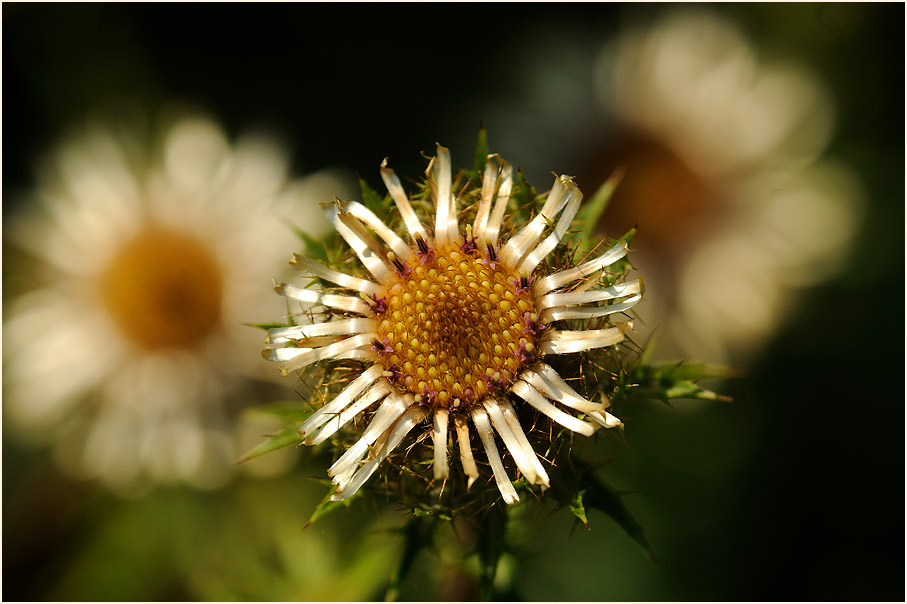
(131, 352)
(735, 210)
(722, 151)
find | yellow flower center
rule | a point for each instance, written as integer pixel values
(456, 328)
(163, 289)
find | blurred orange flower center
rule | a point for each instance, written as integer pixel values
(660, 193)
(163, 290)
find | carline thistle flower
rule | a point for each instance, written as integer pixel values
(454, 328)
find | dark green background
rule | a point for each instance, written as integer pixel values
(815, 510)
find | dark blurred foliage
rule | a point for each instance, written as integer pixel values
(795, 491)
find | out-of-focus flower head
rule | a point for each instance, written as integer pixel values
(724, 174)
(735, 208)
(145, 257)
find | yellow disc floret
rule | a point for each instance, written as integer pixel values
(457, 327)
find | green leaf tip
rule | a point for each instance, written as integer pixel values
(370, 197)
(327, 505)
(418, 534)
(265, 326)
(670, 381)
(422, 513)
(286, 437)
(599, 496)
(283, 411)
(287, 413)
(579, 510)
(591, 212)
(580, 491)
(313, 248)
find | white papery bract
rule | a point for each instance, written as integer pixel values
(453, 327)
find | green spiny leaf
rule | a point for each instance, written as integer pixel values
(370, 197)
(491, 544)
(523, 196)
(313, 248)
(577, 488)
(688, 389)
(628, 236)
(686, 370)
(327, 506)
(616, 271)
(599, 496)
(423, 513)
(676, 380)
(418, 534)
(591, 212)
(579, 510)
(286, 437)
(285, 411)
(266, 326)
